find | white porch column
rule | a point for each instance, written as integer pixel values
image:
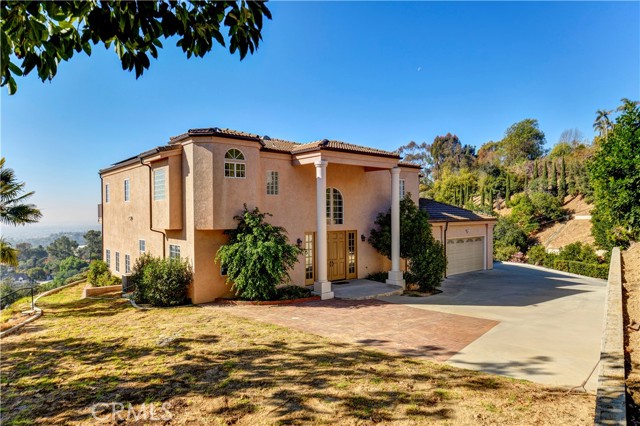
(321, 286)
(395, 274)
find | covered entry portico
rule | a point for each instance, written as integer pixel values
(320, 155)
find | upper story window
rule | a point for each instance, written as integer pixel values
(335, 208)
(127, 263)
(127, 190)
(107, 257)
(273, 183)
(402, 190)
(234, 164)
(117, 261)
(174, 251)
(159, 179)
(107, 193)
(142, 246)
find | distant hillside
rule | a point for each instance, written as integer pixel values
(44, 238)
(578, 228)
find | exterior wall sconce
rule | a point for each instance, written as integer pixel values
(299, 243)
(363, 238)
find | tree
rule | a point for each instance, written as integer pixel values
(535, 169)
(553, 179)
(425, 255)
(42, 34)
(448, 153)
(562, 186)
(13, 207)
(507, 191)
(8, 255)
(257, 256)
(602, 124)
(37, 274)
(94, 244)
(615, 177)
(522, 141)
(419, 154)
(62, 248)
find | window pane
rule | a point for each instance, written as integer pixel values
(239, 170)
(117, 261)
(337, 207)
(351, 243)
(234, 154)
(328, 206)
(143, 246)
(159, 184)
(308, 256)
(126, 190)
(272, 183)
(107, 193)
(174, 251)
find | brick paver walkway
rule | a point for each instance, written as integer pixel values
(385, 326)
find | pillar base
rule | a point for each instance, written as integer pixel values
(395, 278)
(323, 289)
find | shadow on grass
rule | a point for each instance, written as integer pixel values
(59, 374)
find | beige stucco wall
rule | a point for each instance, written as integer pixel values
(208, 201)
(467, 229)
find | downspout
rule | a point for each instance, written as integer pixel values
(446, 226)
(164, 236)
(101, 220)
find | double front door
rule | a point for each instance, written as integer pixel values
(341, 255)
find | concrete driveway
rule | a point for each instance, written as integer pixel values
(549, 328)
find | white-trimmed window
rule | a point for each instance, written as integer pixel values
(127, 263)
(273, 183)
(117, 261)
(335, 207)
(174, 251)
(159, 179)
(127, 190)
(402, 190)
(107, 257)
(142, 245)
(309, 253)
(234, 164)
(107, 193)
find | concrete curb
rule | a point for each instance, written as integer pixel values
(611, 396)
(555, 271)
(38, 313)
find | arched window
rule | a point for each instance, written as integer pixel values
(335, 207)
(234, 165)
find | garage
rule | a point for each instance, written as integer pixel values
(465, 255)
(468, 236)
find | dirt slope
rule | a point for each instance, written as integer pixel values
(631, 297)
(559, 234)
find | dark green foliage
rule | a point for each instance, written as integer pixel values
(380, 277)
(504, 252)
(553, 179)
(531, 211)
(100, 276)
(562, 185)
(94, 244)
(545, 173)
(163, 282)
(507, 191)
(425, 256)
(522, 141)
(535, 169)
(594, 270)
(42, 34)
(537, 255)
(37, 273)
(578, 252)
(289, 292)
(62, 248)
(137, 273)
(507, 233)
(257, 256)
(68, 267)
(615, 177)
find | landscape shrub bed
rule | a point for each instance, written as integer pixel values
(161, 282)
(594, 270)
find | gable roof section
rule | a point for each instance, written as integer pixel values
(441, 212)
(136, 158)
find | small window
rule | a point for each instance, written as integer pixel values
(159, 176)
(402, 190)
(335, 209)
(234, 165)
(127, 263)
(117, 261)
(351, 253)
(309, 273)
(272, 183)
(174, 251)
(143, 246)
(127, 189)
(107, 193)
(107, 257)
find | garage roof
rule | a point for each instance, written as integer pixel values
(441, 212)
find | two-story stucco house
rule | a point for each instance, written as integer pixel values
(177, 200)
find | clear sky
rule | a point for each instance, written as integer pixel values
(378, 74)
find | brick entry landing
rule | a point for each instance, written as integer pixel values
(381, 325)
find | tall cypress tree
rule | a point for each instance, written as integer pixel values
(545, 174)
(535, 169)
(553, 179)
(507, 192)
(482, 200)
(562, 187)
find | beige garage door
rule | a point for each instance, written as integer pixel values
(465, 255)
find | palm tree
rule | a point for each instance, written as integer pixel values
(627, 104)
(602, 123)
(13, 209)
(8, 255)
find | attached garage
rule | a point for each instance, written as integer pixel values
(468, 236)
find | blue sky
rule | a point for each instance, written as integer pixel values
(372, 73)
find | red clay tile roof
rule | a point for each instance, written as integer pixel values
(334, 145)
(441, 212)
(214, 131)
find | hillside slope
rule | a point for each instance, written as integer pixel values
(577, 229)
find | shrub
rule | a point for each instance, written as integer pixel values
(380, 277)
(504, 252)
(425, 256)
(578, 252)
(537, 255)
(257, 256)
(594, 270)
(163, 282)
(507, 232)
(289, 292)
(96, 269)
(135, 279)
(531, 211)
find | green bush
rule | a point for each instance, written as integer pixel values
(504, 252)
(289, 292)
(96, 269)
(506, 233)
(532, 210)
(257, 256)
(594, 270)
(578, 252)
(380, 277)
(162, 282)
(537, 255)
(427, 267)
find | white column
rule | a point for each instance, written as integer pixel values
(395, 274)
(321, 286)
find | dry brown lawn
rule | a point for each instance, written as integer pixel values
(210, 367)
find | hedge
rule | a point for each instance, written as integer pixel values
(594, 270)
